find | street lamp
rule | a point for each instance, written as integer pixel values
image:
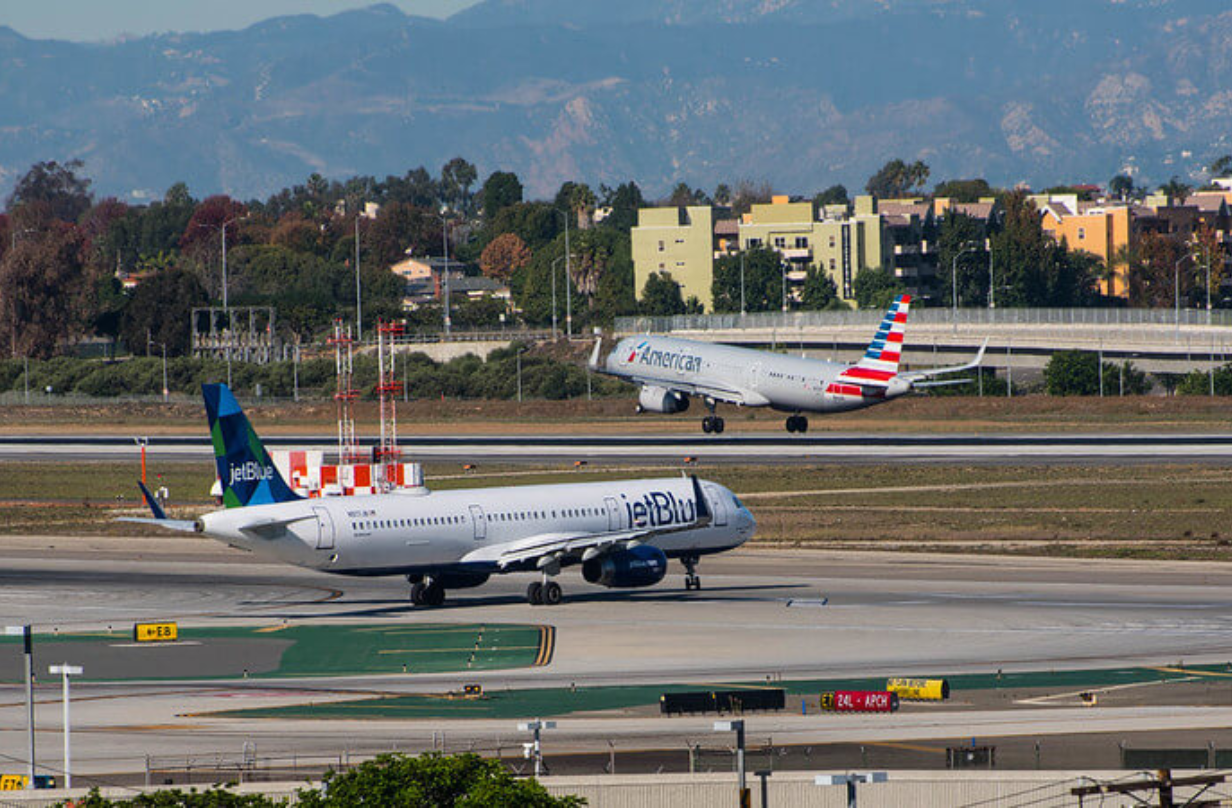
(533, 749)
(359, 301)
(568, 275)
(1176, 293)
(966, 248)
(737, 727)
(743, 309)
(148, 343)
(556, 261)
(28, 643)
(66, 670)
(445, 269)
(226, 312)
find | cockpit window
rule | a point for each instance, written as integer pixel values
(736, 500)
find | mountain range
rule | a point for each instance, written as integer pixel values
(799, 93)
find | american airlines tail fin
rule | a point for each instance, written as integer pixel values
(247, 474)
(881, 358)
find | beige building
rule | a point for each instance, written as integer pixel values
(837, 242)
(680, 242)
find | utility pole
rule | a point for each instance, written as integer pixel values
(1162, 783)
(743, 308)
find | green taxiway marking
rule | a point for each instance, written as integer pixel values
(357, 650)
(529, 703)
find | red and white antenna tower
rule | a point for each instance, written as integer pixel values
(388, 389)
(348, 447)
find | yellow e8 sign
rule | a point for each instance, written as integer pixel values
(155, 632)
(12, 782)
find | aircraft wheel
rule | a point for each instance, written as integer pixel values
(692, 582)
(708, 424)
(793, 422)
(801, 424)
(434, 594)
(718, 425)
(417, 594)
(551, 593)
(534, 594)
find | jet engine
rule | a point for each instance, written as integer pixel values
(656, 399)
(639, 566)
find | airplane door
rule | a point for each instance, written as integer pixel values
(717, 506)
(613, 513)
(754, 375)
(325, 529)
(481, 523)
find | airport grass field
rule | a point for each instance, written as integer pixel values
(1128, 511)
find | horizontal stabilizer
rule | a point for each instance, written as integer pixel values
(182, 525)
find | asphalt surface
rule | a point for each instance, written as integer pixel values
(761, 616)
(759, 447)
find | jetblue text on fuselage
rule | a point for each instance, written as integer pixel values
(251, 471)
(672, 360)
(659, 509)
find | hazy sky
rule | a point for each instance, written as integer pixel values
(90, 20)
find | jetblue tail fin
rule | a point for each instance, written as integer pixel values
(247, 474)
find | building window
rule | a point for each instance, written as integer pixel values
(1082, 233)
(832, 242)
(754, 243)
(833, 266)
(660, 246)
(662, 265)
(801, 242)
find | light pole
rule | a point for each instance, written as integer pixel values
(28, 650)
(148, 343)
(445, 271)
(568, 294)
(992, 301)
(226, 312)
(359, 301)
(1176, 293)
(966, 248)
(743, 309)
(783, 266)
(66, 670)
(737, 727)
(534, 750)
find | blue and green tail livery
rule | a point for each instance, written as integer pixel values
(247, 474)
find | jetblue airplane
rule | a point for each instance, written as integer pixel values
(670, 370)
(620, 532)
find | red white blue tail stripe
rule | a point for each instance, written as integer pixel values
(880, 362)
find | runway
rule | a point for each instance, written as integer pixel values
(877, 447)
(760, 616)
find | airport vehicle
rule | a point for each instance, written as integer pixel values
(620, 532)
(670, 370)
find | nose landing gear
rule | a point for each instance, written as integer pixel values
(691, 581)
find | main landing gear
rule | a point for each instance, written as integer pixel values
(797, 423)
(691, 581)
(545, 593)
(427, 593)
(712, 423)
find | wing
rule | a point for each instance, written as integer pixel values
(551, 548)
(915, 375)
(729, 395)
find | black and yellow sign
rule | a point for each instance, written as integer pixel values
(155, 632)
(12, 782)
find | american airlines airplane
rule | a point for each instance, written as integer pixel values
(620, 532)
(670, 370)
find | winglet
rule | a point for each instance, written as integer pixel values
(157, 509)
(979, 356)
(593, 362)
